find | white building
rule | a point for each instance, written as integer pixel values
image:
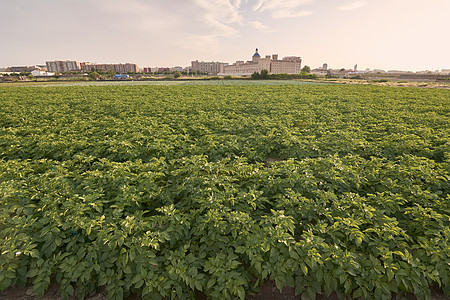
(40, 73)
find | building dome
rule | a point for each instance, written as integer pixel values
(256, 53)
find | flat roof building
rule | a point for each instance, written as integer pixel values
(117, 68)
(209, 67)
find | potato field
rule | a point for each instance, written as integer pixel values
(171, 191)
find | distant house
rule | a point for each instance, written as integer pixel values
(177, 68)
(319, 72)
(40, 73)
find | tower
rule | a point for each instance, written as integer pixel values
(256, 56)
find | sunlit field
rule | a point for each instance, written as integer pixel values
(169, 189)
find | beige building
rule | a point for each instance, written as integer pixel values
(257, 64)
(208, 67)
(117, 68)
(288, 65)
(63, 66)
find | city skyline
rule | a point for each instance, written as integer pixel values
(395, 34)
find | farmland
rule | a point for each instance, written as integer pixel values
(171, 190)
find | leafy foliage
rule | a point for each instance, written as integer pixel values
(264, 74)
(165, 190)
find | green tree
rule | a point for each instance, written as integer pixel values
(177, 74)
(306, 69)
(110, 73)
(94, 75)
(264, 74)
(256, 75)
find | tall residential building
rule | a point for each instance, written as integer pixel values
(63, 66)
(117, 68)
(208, 67)
(288, 65)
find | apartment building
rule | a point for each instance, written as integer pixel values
(209, 67)
(63, 66)
(117, 68)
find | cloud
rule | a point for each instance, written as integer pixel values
(353, 5)
(220, 15)
(279, 14)
(283, 8)
(214, 17)
(258, 25)
(271, 5)
(193, 24)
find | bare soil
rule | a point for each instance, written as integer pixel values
(268, 291)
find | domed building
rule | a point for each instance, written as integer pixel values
(256, 56)
(289, 65)
(257, 64)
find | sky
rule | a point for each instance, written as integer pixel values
(376, 34)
